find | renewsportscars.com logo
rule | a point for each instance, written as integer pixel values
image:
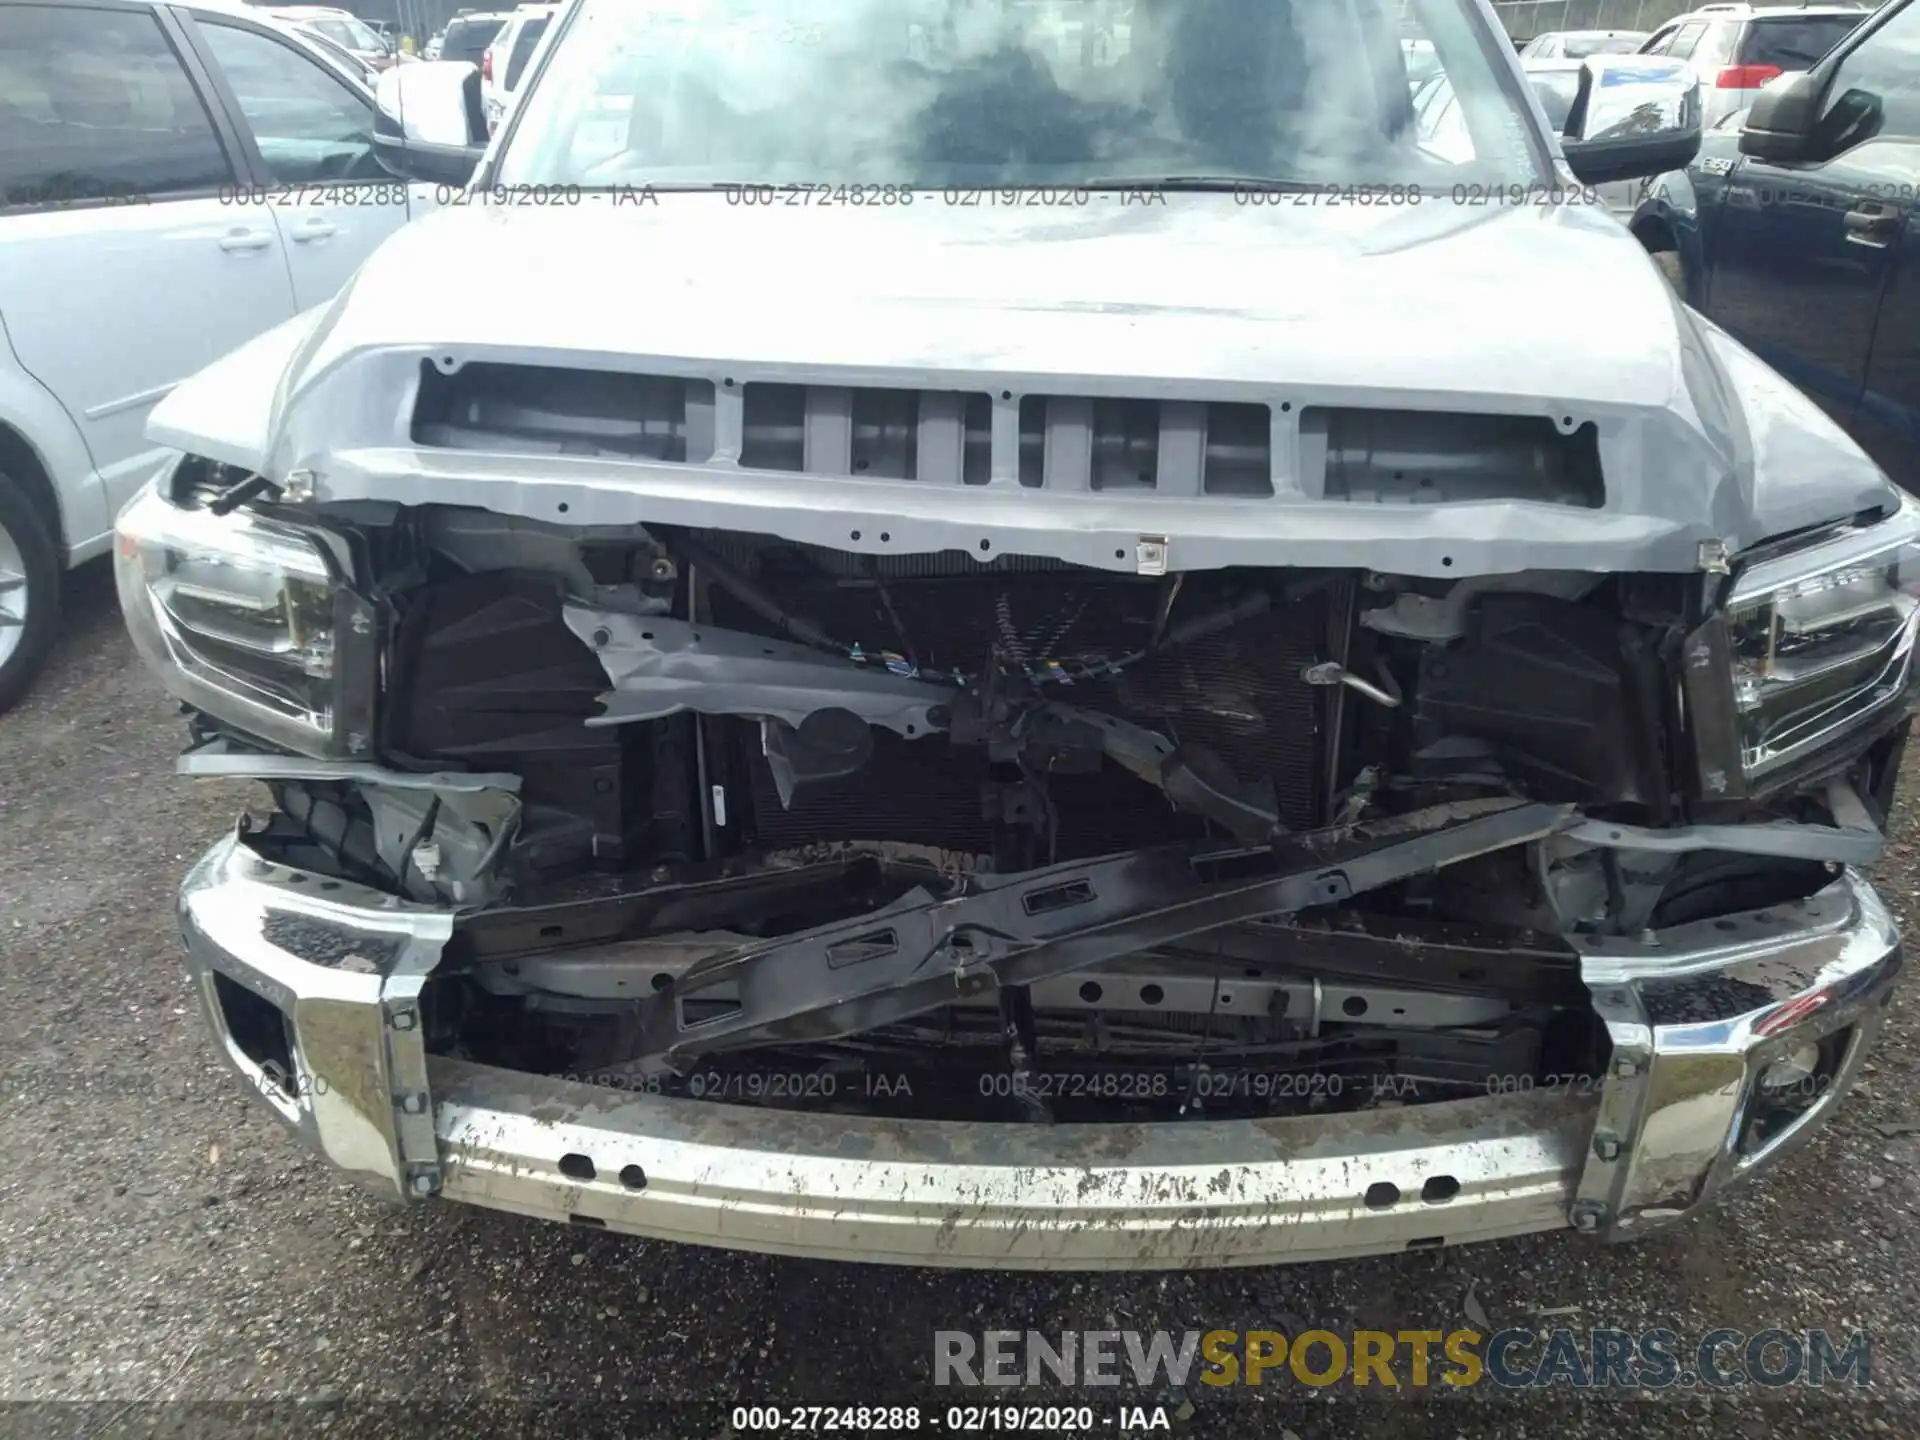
(1599, 1358)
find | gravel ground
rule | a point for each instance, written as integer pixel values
(163, 1242)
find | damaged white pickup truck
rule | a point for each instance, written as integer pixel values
(1002, 649)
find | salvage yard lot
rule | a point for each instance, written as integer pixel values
(162, 1239)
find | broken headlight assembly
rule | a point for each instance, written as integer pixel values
(1813, 646)
(250, 620)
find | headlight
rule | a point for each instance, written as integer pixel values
(249, 620)
(1814, 644)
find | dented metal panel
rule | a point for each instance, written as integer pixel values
(1074, 1197)
(1402, 309)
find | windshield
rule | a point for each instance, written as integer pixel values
(1794, 43)
(338, 53)
(1011, 93)
(468, 39)
(348, 32)
(523, 47)
(1421, 62)
(1579, 47)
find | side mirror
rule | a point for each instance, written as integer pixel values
(1634, 116)
(1786, 121)
(428, 123)
(1781, 120)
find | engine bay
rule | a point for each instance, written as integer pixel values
(1000, 837)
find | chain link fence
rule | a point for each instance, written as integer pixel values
(1525, 19)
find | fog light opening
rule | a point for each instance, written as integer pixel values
(1792, 1070)
(258, 1029)
(1789, 1086)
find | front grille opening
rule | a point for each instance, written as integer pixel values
(1239, 454)
(1174, 447)
(259, 1029)
(1419, 457)
(945, 436)
(547, 410)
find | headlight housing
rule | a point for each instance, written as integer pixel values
(1812, 645)
(251, 620)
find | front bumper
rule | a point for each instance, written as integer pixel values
(1695, 1014)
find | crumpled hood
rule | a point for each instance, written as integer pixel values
(1530, 310)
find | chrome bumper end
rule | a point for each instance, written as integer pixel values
(312, 989)
(1697, 1015)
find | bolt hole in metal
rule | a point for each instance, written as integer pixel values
(576, 1166)
(1382, 1195)
(1091, 993)
(14, 597)
(1439, 1189)
(633, 1177)
(661, 980)
(1353, 1005)
(1151, 994)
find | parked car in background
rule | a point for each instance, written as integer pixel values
(1797, 228)
(343, 28)
(1578, 44)
(504, 61)
(467, 37)
(174, 179)
(434, 41)
(354, 63)
(1735, 49)
(1557, 84)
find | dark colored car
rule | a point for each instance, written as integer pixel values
(1797, 228)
